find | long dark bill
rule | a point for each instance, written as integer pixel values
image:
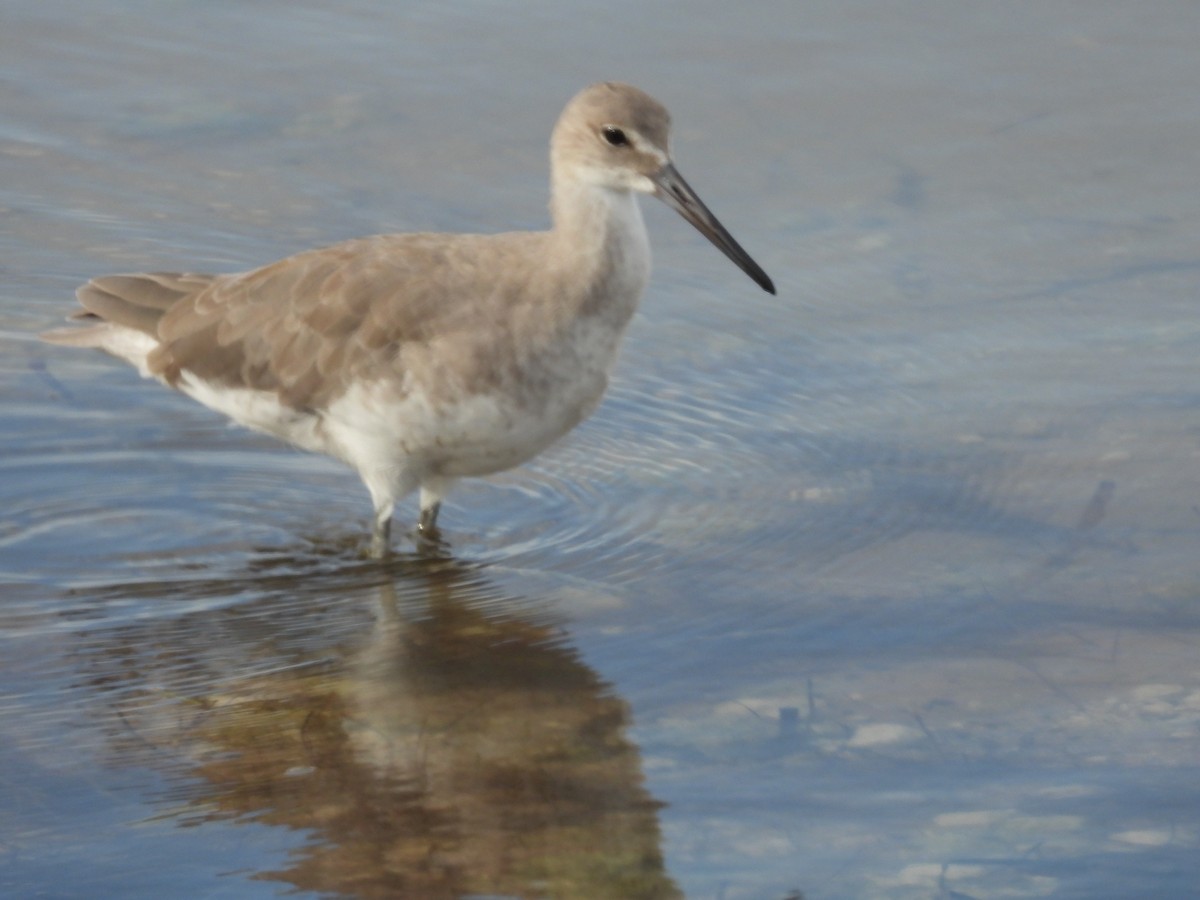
(678, 194)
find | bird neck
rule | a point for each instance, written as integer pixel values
(600, 236)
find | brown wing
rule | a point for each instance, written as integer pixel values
(287, 327)
(307, 326)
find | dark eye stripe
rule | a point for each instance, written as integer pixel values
(614, 136)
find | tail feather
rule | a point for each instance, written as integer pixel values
(121, 341)
(138, 301)
(73, 336)
(120, 310)
(121, 313)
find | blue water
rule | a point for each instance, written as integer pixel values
(884, 587)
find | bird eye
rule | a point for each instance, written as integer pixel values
(614, 136)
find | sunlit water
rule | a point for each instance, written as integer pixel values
(885, 587)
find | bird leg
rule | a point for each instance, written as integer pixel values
(381, 533)
(427, 523)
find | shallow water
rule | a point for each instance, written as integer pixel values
(885, 587)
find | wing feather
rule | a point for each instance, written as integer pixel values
(309, 325)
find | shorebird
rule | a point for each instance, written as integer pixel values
(420, 359)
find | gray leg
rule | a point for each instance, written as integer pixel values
(433, 490)
(384, 488)
(427, 524)
(381, 533)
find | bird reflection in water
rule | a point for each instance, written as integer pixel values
(449, 744)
